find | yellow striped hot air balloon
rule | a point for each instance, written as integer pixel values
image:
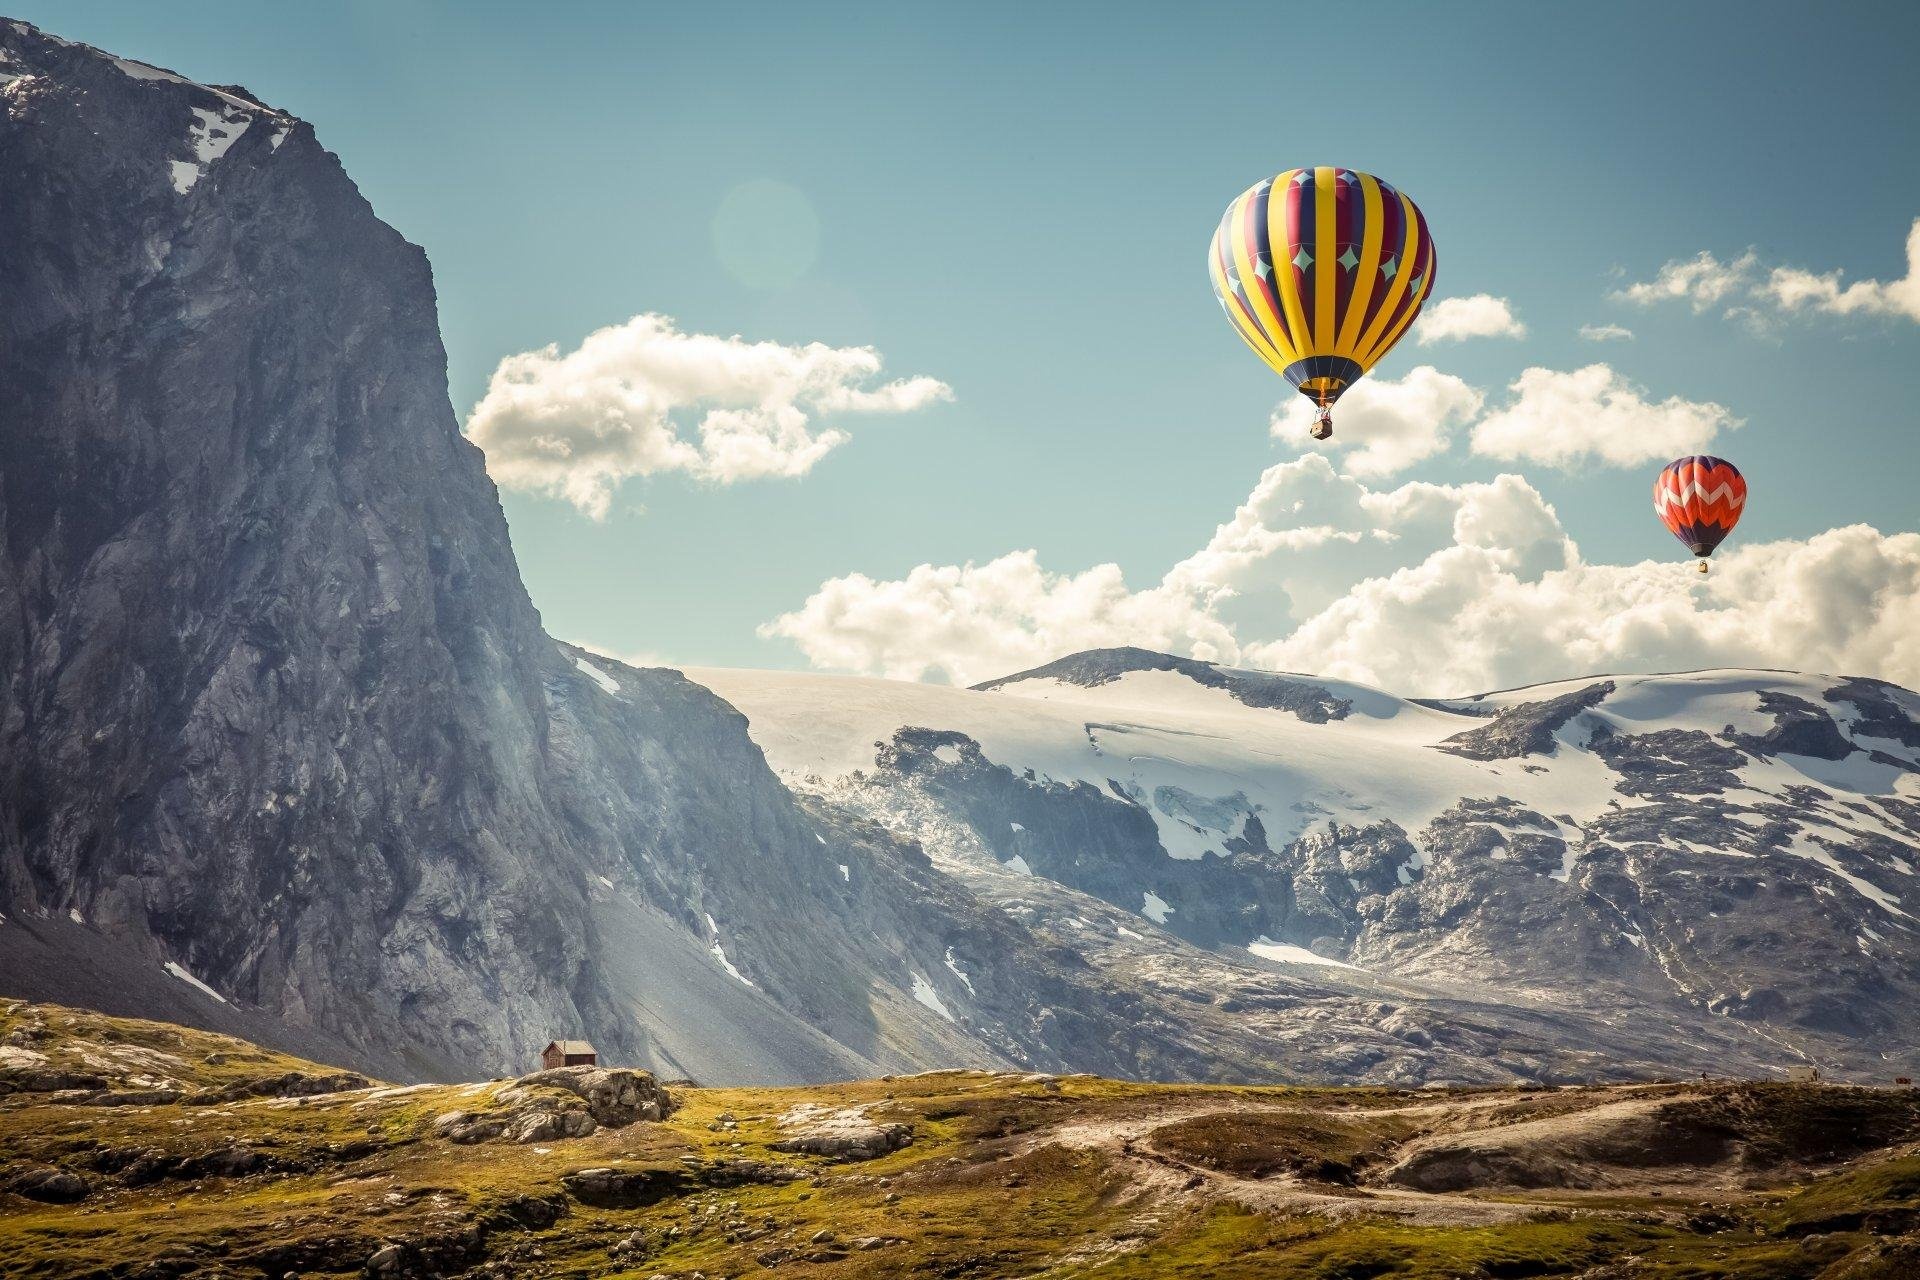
(1321, 271)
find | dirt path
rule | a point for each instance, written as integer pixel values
(1162, 1177)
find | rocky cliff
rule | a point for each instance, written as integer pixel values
(278, 723)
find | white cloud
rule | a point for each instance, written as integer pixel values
(641, 398)
(967, 623)
(1791, 289)
(1480, 316)
(1387, 424)
(1842, 602)
(1422, 589)
(1606, 333)
(1755, 296)
(1702, 280)
(1595, 414)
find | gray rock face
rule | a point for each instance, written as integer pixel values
(1528, 729)
(1311, 700)
(276, 710)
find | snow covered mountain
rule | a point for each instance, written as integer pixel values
(1722, 860)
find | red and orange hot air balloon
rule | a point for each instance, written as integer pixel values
(1700, 499)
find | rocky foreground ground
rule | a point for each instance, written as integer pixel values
(140, 1149)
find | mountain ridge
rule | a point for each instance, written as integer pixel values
(1632, 813)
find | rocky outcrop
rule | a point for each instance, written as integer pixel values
(289, 1084)
(569, 1102)
(1310, 700)
(1528, 729)
(846, 1134)
(614, 1098)
(48, 1184)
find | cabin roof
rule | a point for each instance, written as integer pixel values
(571, 1046)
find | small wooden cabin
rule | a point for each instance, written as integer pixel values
(568, 1053)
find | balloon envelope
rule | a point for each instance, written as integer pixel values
(1700, 498)
(1321, 271)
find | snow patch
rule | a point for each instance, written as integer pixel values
(923, 992)
(720, 953)
(954, 967)
(598, 676)
(1154, 908)
(211, 133)
(180, 972)
(845, 873)
(1287, 953)
(1019, 864)
(73, 914)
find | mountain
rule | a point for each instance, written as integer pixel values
(286, 753)
(1704, 871)
(283, 747)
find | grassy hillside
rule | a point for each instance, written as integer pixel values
(141, 1149)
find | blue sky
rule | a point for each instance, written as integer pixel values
(1015, 200)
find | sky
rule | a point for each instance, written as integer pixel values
(1026, 427)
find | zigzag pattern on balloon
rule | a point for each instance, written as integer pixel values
(1717, 504)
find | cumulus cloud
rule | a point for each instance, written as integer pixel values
(1702, 281)
(1606, 333)
(1386, 425)
(642, 398)
(1842, 602)
(1479, 316)
(1422, 589)
(966, 623)
(1594, 414)
(1757, 296)
(1792, 289)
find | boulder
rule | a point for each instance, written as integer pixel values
(615, 1096)
(45, 1183)
(47, 1080)
(847, 1134)
(624, 1188)
(291, 1084)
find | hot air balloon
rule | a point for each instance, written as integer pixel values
(1321, 271)
(1700, 499)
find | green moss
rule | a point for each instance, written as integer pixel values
(991, 1185)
